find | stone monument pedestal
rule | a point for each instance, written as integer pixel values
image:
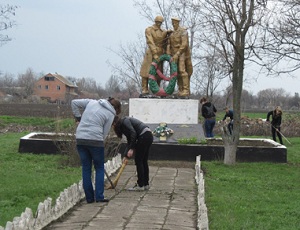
(180, 115)
(170, 111)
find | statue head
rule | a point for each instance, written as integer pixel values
(175, 19)
(175, 23)
(159, 19)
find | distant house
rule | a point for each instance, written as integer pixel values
(55, 88)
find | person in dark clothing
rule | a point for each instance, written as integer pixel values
(229, 113)
(275, 123)
(208, 111)
(139, 140)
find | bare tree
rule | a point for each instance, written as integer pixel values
(26, 81)
(235, 26)
(269, 98)
(87, 85)
(282, 40)
(6, 22)
(8, 83)
(208, 76)
(247, 100)
(7, 80)
(113, 86)
(295, 101)
(131, 57)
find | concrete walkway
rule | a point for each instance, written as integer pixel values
(171, 203)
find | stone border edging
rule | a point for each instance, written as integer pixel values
(202, 209)
(68, 198)
(45, 214)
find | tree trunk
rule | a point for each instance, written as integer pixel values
(231, 141)
(230, 147)
(229, 152)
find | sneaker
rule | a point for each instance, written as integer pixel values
(146, 187)
(136, 187)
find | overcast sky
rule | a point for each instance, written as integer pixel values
(72, 37)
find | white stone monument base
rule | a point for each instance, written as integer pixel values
(170, 111)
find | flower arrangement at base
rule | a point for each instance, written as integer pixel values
(162, 131)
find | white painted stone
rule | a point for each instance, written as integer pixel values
(202, 222)
(171, 111)
(72, 195)
(46, 213)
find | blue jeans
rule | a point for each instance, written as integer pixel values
(92, 155)
(209, 126)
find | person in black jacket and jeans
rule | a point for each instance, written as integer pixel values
(139, 140)
(276, 115)
(208, 111)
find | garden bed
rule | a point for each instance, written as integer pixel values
(249, 149)
(49, 143)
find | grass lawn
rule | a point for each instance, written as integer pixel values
(254, 195)
(27, 179)
(244, 196)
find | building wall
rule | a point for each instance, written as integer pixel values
(53, 90)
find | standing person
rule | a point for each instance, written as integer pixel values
(139, 140)
(208, 111)
(156, 39)
(178, 48)
(229, 113)
(93, 126)
(276, 115)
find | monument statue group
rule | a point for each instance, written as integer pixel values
(166, 45)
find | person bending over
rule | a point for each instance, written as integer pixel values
(139, 140)
(276, 115)
(94, 124)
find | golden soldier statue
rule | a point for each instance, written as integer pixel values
(156, 41)
(178, 48)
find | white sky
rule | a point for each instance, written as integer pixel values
(72, 37)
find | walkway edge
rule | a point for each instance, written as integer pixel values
(68, 198)
(202, 209)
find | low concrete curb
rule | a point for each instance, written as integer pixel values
(202, 209)
(45, 213)
(169, 204)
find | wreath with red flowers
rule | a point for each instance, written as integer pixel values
(155, 72)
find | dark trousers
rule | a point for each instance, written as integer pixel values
(274, 132)
(141, 158)
(230, 126)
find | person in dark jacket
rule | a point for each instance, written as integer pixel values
(229, 113)
(276, 115)
(139, 140)
(208, 111)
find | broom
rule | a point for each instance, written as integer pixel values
(115, 182)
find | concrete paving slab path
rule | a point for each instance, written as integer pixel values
(170, 203)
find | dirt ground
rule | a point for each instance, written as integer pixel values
(249, 127)
(36, 110)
